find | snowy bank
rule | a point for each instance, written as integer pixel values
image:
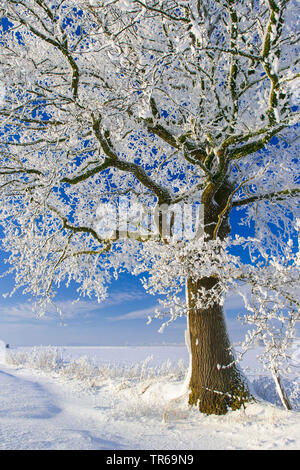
(76, 398)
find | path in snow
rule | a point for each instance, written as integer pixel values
(35, 416)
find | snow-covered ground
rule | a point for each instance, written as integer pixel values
(129, 398)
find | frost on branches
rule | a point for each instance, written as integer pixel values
(157, 106)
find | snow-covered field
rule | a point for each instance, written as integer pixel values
(133, 398)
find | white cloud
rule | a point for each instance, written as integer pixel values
(22, 311)
(25, 311)
(135, 314)
(117, 298)
(16, 312)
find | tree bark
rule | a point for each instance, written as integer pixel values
(216, 384)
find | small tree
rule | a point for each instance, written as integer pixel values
(273, 311)
(174, 103)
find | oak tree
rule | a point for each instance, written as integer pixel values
(168, 105)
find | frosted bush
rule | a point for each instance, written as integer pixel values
(48, 359)
(265, 389)
(89, 373)
(82, 370)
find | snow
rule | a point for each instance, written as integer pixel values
(51, 398)
(2, 351)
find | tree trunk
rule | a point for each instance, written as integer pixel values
(280, 390)
(215, 382)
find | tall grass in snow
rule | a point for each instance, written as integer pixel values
(91, 373)
(135, 378)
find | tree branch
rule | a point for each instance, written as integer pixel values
(162, 194)
(278, 196)
(97, 169)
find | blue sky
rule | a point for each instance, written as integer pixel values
(121, 319)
